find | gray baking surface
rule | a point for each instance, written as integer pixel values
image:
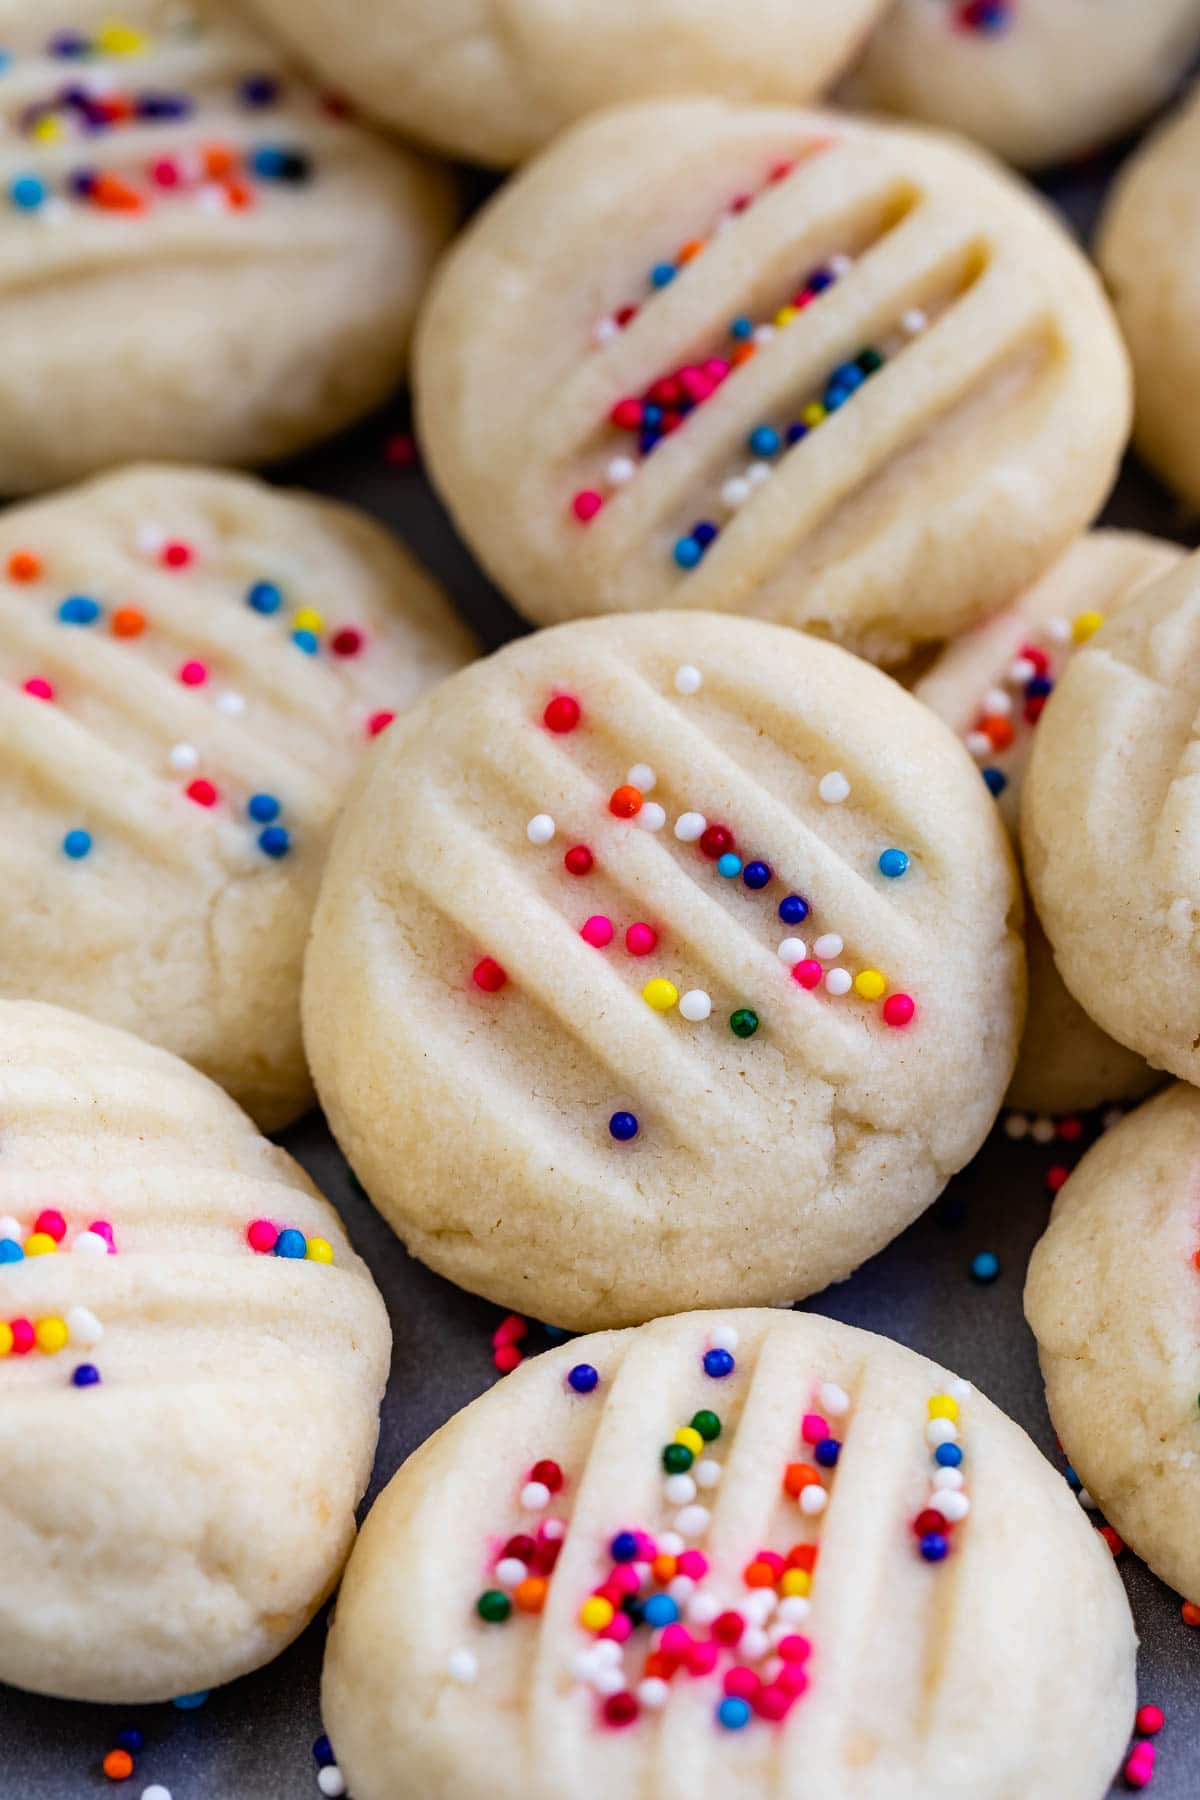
(253, 1739)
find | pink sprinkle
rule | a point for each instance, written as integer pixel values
(379, 722)
(103, 1229)
(898, 1009)
(618, 1628)
(694, 1564)
(510, 1330)
(193, 674)
(647, 1548)
(51, 1221)
(702, 1657)
(773, 1702)
(814, 1428)
(742, 1683)
(165, 173)
(177, 555)
(506, 1357)
(625, 1579)
(1139, 1769)
(597, 931)
(676, 1640)
(808, 973)
(586, 504)
(792, 1678)
(794, 1649)
(39, 687)
(1149, 1720)
(261, 1235)
(640, 939)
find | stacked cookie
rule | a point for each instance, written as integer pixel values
(653, 972)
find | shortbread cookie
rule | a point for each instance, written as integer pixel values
(663, 961)
(1113, 1297)
(840, 375)
(199, 256)
(191, 1364)
(1109, 825)
(1035, 80)
(191, 665)
(747, 1553)
(990, 685)
(1149, 251)
(494, 82)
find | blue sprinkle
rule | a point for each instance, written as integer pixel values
(274, 841)
(555, 1333)
(848, 376)
(624, 1547)
(76, 844)
(893, 864)
(819, 280)
(291, 1244)
(129, 1738)
(733, 1713)
(647, 441)
(660, 1610)
(996, 781)
(704, 531)
(323, 1752)
(793, 910)
(796, 431)
(259, 90)
(1072, 1479)
(86, 1375)
(263, 808)
(742, 328)
(688, 552)
(729, 865)
(934, 1547)
(11, 1251)
(189, 1702)
(764, 441)
(264, 597)
(834, 398)
(756, 875)
(652, 416)
(827, 1452)
(583, 1379)
(948, 1456)
(27, 192)
(623, 1126)
(308, 641)
(78, 609)
(718, 1364)
(662, 274)
(985, 1266)
(1038, 686)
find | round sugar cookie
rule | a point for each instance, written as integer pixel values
(1149, 252)
(663, 961)
(837, 374)
(191, 665)
(187, 1417)
(494, 82)
(1110, 830)
(199, 256)
(990, 686)
(748, 1553)
(1111, 1297)
(1037, 81)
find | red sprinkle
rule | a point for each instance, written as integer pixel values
(620, 1709)
(202, 792)
(898, 1009)
(1057, 1178)
(586, 504)
(52, 1223)
(193, 674)
(506, 1358)
(641, 939)
(379, 722)
(488, 975)
(1115, 1543)
(401, 450)
(177, 555)
(561, 714)
(578, 860)
(346, 642)
(1149, 1720)
(549, 1474)
(1190, 1613)
(261, 1235)
(715, 840)
(510, 1330)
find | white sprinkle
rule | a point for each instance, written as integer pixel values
(183, 757)
(680, 1490)
(540, 828)
(156, 1791)
(463, 1666)
(53, 211)
(642, 777)
(951, 1506)
(690, 826)
(330, 1780)
(583, 1665)
(210, 198)
(150, 539)
(834, 788)
(534, 1496)
(607, 1651)
(792, 951)
(671, 1544)
(813, 1500)
(83, 1327)
(1086, 1501)
(997, 701)
(725, 1337)
(946, 1479)
(10, 1228)
(840, 265)
(1042, 1131)
(960, 1388)
(88, 1243)
(763, 334)
(978, 743)
(681, 1589)
(652, 816)
(702, 1609)
(608, 1680)
(1016, 1126)
(828, 945)
(913, 322)
(707, 1473)
(693, 1521)
(839, 981)
(735, 493)
(687, 679)
(554, 1528)
(1112, 1117)
(695, 1006)
(620, 470)
(605, 330)
(794, 1609)
(940, 1431)
(233, 705)
(834, 1399)
(652, 1692)
(753, 1644)
(758, 1605)
(510, 1570)
(1020, 671)
(1058, 631)
(758, 472)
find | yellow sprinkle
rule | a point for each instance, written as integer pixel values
(785, 315)
(691, 1440)
(943, 1407)
(870, 984)
(50, 1335)
(812, 414)
(307, 619)
(116, 39)
(40, 1243)
(595, 1614)
(47, 131)
(1085, 625)
(319, 1250)
(796, 1583)
(660, 994)
(6, 1338)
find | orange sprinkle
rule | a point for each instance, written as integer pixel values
(1196, 1259)
(625, 802)
(118, 1765)
(115, 195)
(530, 1595)
(239, 195)
(798, 1476)
(128, 622)
(690, 250)
(23, 565)
(998, 729)
(742, 354)
(1191, 1612)
(660, 1666)
(665, 1569)
(758, 1575)
(802, 1556)
(218, 161)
